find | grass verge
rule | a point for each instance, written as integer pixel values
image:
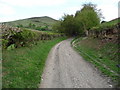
(23, 67)
(102, 55)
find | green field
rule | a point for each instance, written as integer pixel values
(23, 67)
(37, 21)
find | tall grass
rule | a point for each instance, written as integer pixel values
(100, 54)
(23, 67)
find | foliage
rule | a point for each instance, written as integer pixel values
(38, 28)
(31, 25)
(20, 26)
(69, 25)
(87, 17)
(23, 67)
(44, 28)
(57, 27)
(4, 43)
(12, 46)
(106, 25)
(106, 30)
(37, 21)
(83, 20)
(21, 37)
(100, 53)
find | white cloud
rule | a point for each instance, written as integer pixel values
(33, 2)
(72, 10)
(109, 7)
(119, 9)
(6, 9)
(100, 1)
(109, 11)
(5, 19)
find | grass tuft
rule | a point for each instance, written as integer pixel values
(23, 67)
(102, 55)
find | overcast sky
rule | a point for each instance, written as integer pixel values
(20, 9)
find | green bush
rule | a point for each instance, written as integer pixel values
(4, 43)
(21, 37)
(11, 47)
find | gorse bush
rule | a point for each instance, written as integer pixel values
(17, 37)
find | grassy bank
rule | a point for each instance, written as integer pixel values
(23, 67)
(101, 53)
(106, 25)
(13, 37)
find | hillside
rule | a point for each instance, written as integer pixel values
(107, 30)
(100, 47)
(36, 21)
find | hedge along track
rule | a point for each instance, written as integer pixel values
(74, 44)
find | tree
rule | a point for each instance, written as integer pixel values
(33, 26)
(87, 17)
(20, 26)
(57, 27)
(30, 25)
(69, 25)
(38, 28)
(83, 20)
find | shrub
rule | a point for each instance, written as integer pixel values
(15, 37)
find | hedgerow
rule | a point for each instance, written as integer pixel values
(105, 30)
(17, 37)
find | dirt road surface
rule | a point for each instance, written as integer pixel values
(65, 68)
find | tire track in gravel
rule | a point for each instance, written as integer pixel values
(65, 68)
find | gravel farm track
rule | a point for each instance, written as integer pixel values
(65, 68)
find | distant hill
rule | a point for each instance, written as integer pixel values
(37, 21)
